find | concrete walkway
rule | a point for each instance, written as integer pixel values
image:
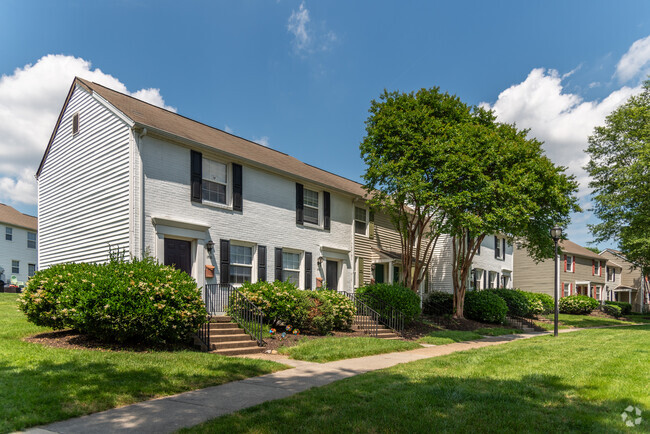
(168, 414)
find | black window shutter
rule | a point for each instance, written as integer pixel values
(224, 260)
(326, 210)
(308, 270)
(261, 263)
(196, 161)
(237, 200)
(503, 249)
(299, 204)
(496, 247)
(485, 279)
(278, 263)
(498, 280)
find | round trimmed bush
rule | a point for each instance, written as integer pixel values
(578, 304)
(516, 301)
(612, 309)
(439, 303)
(626, 308)
(539, 303)
(401, 298)
(485, 306)
(139, 301)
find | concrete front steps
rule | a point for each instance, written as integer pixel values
(367, 324)
(228, 339)
(524, 324)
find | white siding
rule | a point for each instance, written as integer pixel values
(268, 217)
(15, 250)
(83, 188)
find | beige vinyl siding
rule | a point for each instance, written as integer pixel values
(531, 276)
(83, 188)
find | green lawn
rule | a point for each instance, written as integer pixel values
(443, 337)
(331, 348)
(577, 382)
(639, 317)
(40, 384)
(580, 321)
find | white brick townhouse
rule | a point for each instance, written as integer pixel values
(492, 266)
(18, 247)
(121, 173)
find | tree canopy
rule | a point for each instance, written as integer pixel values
(438, 166)
(620, 170)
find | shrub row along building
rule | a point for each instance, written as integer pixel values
(119, 173)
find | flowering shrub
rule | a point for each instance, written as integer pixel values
(539, 303)
(138, 301)
(578, 304)
(282, 302)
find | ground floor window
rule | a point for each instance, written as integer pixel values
(291, 267)
(396, 274)
(567, 290)
(31, 269)
(241, 263)
(15, 267)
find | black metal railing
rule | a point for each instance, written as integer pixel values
(204, 334)
(520, 323)
(389, 315)
(246, 314)
(216, 297)
(366, 318)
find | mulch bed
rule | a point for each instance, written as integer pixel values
(273, 343)
(71, 339)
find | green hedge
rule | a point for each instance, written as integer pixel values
(485, 306)
(516, 301)
(138, 301)
(318, 311)
(612, 309)
(626, 308)
(439, 303)
(539, 303)
(401, 298)
(578, 304)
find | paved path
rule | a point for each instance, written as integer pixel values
(168, 414)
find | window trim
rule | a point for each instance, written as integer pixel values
(232, 263)
(9, 233)
(29, 273)
(35, 240)
(15, 269)
(319, 217)
(365, 232)
(300, 254)
(229, 181)
(570, 269)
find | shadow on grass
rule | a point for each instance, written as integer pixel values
(392, 402)
(46, 391)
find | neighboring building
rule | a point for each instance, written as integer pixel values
(582, 272)
(121, 173)
(630, 285)
(492, 266)
(18, 245)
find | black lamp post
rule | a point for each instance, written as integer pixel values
(556, 234)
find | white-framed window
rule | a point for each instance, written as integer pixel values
(15, 267)
(241, 263)
(310, 206)
(360, 220)
(504, 280)
(31, 240)
(567, 289)
(215, 182)
(596, 268)
(597, 292)
(569, 263)
(613, 274)
(9, 234)
(499, 248)
(31, 269)
(291, 267)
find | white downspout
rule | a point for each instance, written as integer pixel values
(140, 145)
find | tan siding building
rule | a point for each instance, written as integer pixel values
(629, 285)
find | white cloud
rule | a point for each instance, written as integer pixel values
(633, 62)
(306, 39)
(264, 141)
(563, 121)
(30, 101)
(228, 129)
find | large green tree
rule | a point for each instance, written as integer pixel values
(620, 171)
(439, 167)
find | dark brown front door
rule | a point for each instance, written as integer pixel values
(178, 254)
(332, 275)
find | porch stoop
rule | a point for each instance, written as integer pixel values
(367, 324)
(228, 339)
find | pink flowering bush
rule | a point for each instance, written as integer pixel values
(121, 301)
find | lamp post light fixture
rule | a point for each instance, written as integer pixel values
(210, 246)
(320, 260)
(556, 234)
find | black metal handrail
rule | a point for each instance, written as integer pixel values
(366, 317)
(247, 315)
(204, 333)
(520, 322)
(216, 297)
(389, 315)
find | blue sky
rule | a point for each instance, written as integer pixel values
(299, 76)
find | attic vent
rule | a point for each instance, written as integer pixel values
(75, 123)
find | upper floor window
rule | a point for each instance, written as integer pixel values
(31, 240)
(499, 247)
(310, 203)
(596, 268)
(241, 263)
(613, 274)
(9, 234)
(291, 267)
(15, 267)
(75, 123)
(31, 269)
(569, 263)
(360, 220)
(215, 182)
